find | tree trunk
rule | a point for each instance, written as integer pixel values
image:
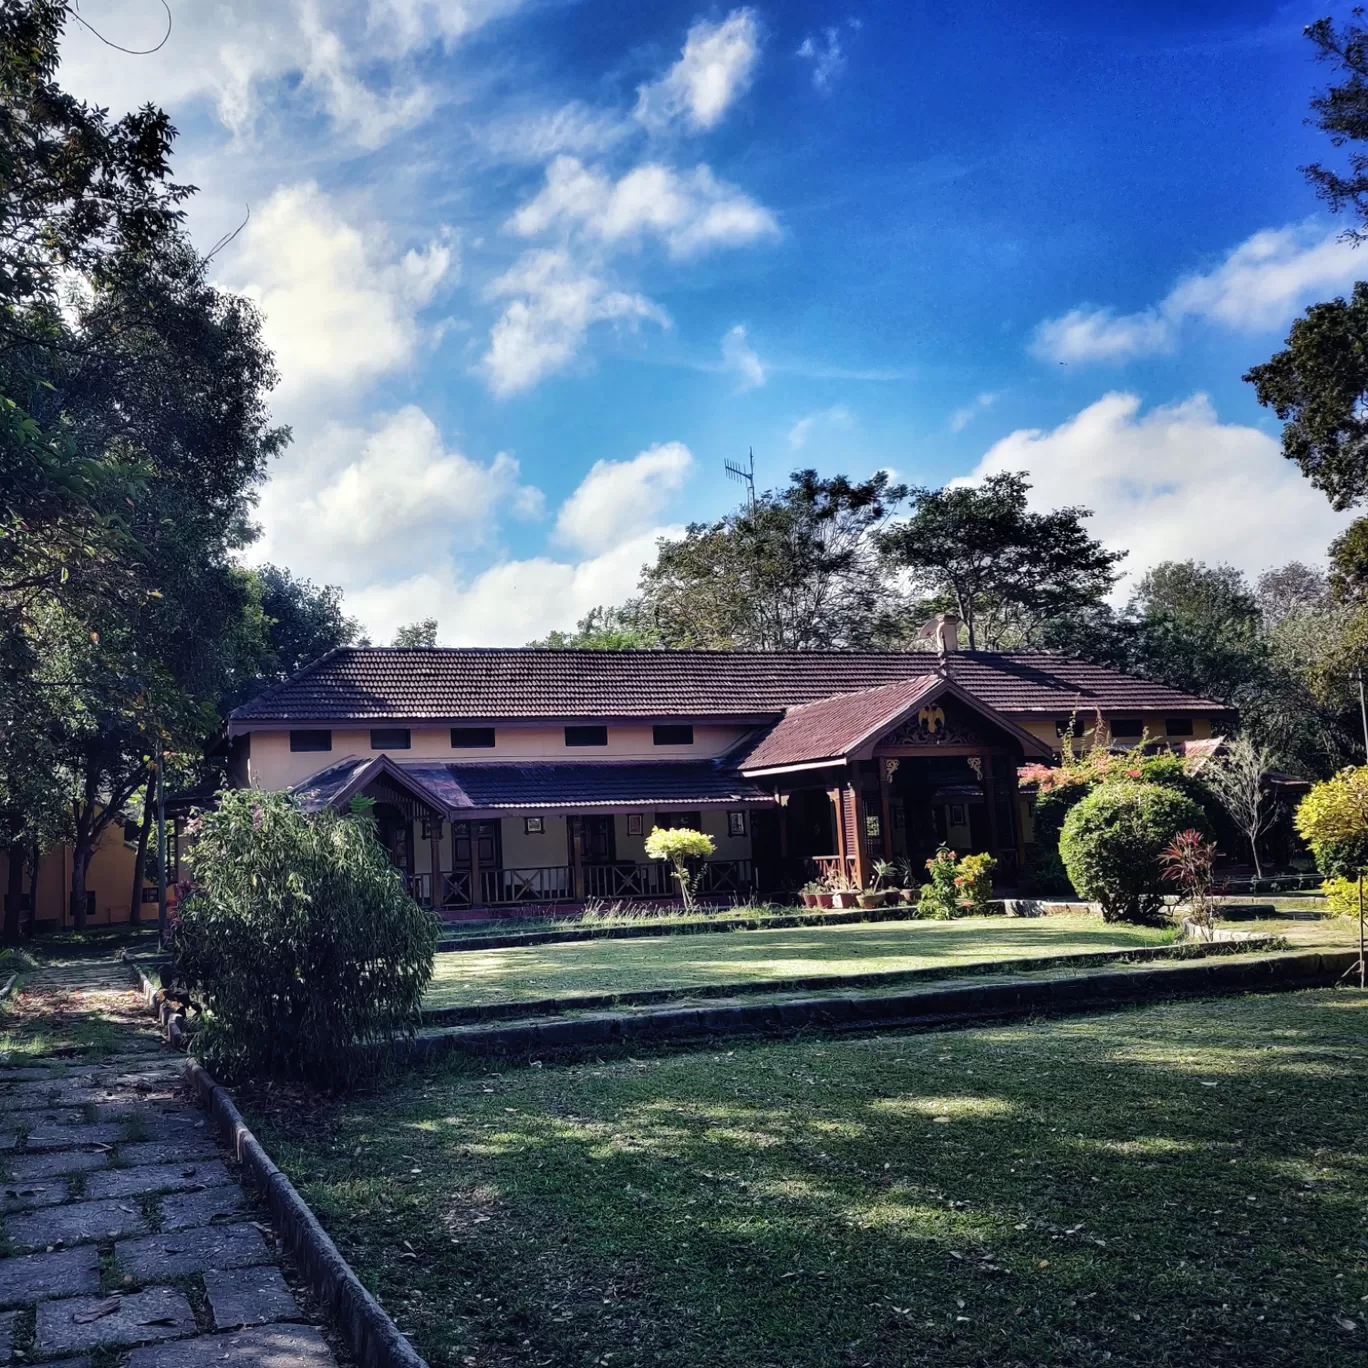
(140, 859)
(1254, 851)
(14, 892)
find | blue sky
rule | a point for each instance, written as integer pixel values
(533, 269)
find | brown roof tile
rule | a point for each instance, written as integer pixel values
(371, 683)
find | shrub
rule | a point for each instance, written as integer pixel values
(679, 845)
(1187, 863)
(1333, 820)
(299, 939)
(958, 887)
(1111, 845)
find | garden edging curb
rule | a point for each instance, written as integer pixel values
(369, 1332)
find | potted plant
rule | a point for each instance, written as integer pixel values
(845, 891)
(811, 894)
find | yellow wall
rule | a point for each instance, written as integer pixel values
(109, 877)
(272, 765)
(1153, 724)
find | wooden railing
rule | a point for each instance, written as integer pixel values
(556, 883)
(535, 884)
(831, 869)
(627, 880)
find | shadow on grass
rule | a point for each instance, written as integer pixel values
(1181, 1184)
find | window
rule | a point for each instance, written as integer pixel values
(1068, 726)
(390, 738)
(669, 821)
(1178, 726)
(472, 738)
(736, 824)
(635, 823)
(873, 828)
(534, 826)
(586, 736)
(672, 736)
(132, 832)
(311, 740)
(1126, 728)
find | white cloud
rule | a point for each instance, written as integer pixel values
(826, 55)
(553, 305)
(618, 500)
(962, 417)
(360, 505)
(740, 356)
(1261, 284)
(357, 64)
(575, 128)
(838, 416)
(1173, 484)
(341, 302)
(714, 69)
(512, 602)
(690, 212)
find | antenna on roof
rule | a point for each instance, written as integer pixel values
(743, 474)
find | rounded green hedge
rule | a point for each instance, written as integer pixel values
(1111, 842)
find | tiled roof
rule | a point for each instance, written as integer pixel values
(828, 729)
(474, 788)
(363, 684)
(835, 727)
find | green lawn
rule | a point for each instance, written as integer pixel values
(568, 969)
(1184, 1185)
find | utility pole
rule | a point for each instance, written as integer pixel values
(161, 843)
(1363, 710)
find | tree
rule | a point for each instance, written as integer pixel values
(1333, 818)
(795, 570)
(422, 633)
(1005, 570)
(1238, 778)
(1318, 385)
(606, 628)
(679, 846)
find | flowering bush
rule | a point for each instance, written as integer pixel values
(1187, 862)
(958, 886)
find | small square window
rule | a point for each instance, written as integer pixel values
(1068, 726)
(586, 736)
(390, 738)
(672, 736)
(1178, 726)
(311, 740)
(673, 821)
(472, 738)
(1127, 728)
(635, 823)
(534, 826)
(432, 827)
(736, 824)
(872, 827)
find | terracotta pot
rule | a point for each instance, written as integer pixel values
(809, 899)
(844, 900)
(824, 899)
(869, 901)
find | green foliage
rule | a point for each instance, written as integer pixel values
(1111, 845)
(1333, 820)
(1006, 570)
(1342, 895)
(300, 940)
(422, 633)
(624, 627)
(793, 571)
(958, 886)
(680, 845)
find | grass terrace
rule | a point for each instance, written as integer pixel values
(1185, 1184)
(680, 963)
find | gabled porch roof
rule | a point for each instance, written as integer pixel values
(848, 726)
(460, 791)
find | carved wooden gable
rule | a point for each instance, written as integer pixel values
(945, 722)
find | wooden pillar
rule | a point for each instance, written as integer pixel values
(435, 846)
(990, 799)
(476, 881)
(1018, 826)
(886, 810)
(838, 808)
(577, 856)
(862, 864)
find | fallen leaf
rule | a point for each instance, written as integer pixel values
(105, 1308)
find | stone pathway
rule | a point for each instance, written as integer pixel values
(127, 1241)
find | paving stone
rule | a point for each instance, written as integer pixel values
(186, 1210)
(24, 1167)
(249, 1296)
(53, 1116)
(7, 1336)
(202, 1146)
(182, 1177)
(182, 1125)
(68, 1137)
(26, 1196)
(263, 1346)
(75, 1222)
(157, 1314)
(67, 1273)
(9, 1140)
(174, 1253)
